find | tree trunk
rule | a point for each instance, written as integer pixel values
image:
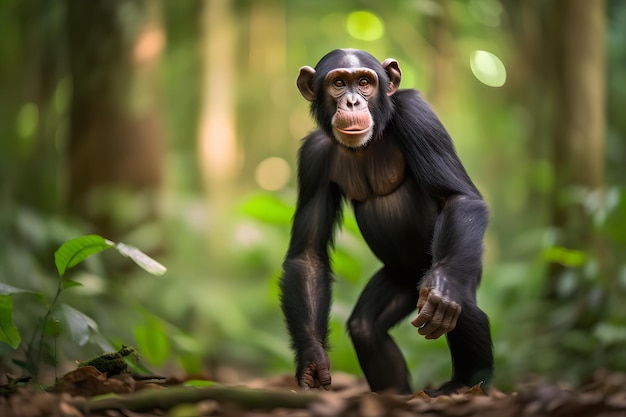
(579, 121)
(218, 152)
(442, 57)
(115, 144)
(217, 142)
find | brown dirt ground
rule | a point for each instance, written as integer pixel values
(80, 394)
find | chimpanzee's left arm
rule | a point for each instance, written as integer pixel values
(457, 245)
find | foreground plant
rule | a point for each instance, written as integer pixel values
(70, 254)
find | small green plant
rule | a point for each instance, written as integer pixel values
(70, 254)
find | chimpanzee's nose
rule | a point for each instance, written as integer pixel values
(353, 102)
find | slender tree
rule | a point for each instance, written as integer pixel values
(579, 121)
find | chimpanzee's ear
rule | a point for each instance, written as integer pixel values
(393, 72)
(305, 83)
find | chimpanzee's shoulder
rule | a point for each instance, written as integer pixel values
(317, 143)
(408, 97)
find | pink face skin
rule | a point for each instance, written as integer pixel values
(351, 89)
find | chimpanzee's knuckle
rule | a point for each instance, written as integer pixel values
(427, 312)
(434, 297)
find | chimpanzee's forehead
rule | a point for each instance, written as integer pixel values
(351, 60)
(354, 58)
(347, 58)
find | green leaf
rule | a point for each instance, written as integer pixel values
(78, 324)
(74, 251)
(346, 265)
(141, 259)
(350, 224)
(8, 332)
(268, 209)
(152, 341)
(68, 283)
(200, 383)
(565, 256)
(9, 290)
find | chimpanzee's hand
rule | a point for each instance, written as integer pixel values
(314, 369)
(438, 311)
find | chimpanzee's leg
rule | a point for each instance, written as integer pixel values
(471, 351)
(383, 303)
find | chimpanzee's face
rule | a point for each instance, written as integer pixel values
(347, 95)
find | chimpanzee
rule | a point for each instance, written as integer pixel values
(385, 151)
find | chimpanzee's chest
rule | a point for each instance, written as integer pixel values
(374, 171)
(395, 215)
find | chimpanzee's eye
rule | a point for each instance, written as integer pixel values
(364, 81)
(339, 83)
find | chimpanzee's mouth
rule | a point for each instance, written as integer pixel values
(353, 131)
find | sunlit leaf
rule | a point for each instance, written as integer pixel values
(9, 290)
(74, 251)
(141, 259)
(8, 332)
(564, 256)
(152, 341)
(78, 324)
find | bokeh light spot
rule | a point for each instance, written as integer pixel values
(365, 26)
(272, 173)
(26, 125)
(27, 120)
(488, 68)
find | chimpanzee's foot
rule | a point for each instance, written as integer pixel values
(448, 388)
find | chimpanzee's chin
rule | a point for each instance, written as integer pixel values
(353, 141)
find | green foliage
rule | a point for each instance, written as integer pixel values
(79, 325)
(565, 256)
(267, 208)
(140, 258)
(222, 304)
(152, 340)
(74, 251)
(8, 332)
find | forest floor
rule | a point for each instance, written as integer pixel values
(83, 392)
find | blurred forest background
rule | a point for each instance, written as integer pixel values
(173, 126)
